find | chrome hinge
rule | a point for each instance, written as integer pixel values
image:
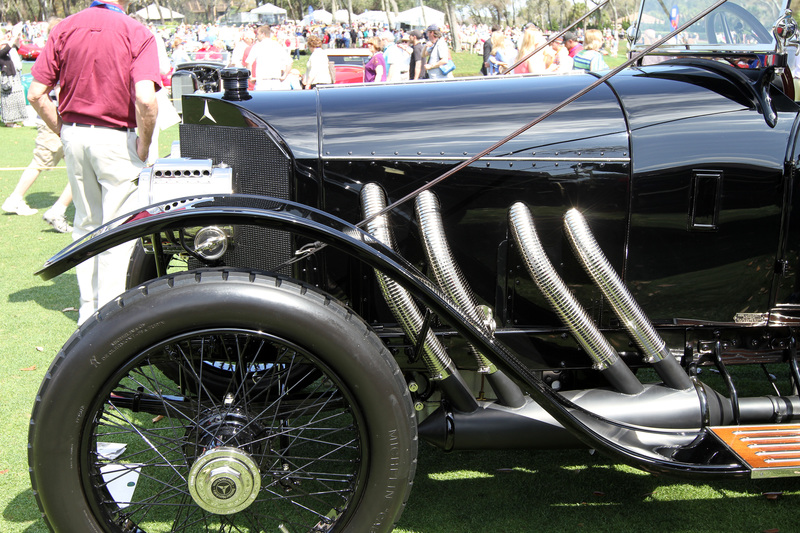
(781, 267)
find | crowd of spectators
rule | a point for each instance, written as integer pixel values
(501, 47)
(29, 31)
(395, 55)
(184, 42)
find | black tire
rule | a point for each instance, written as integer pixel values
(141, 269)
(338, 454)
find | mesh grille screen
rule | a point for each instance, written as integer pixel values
(259, 167)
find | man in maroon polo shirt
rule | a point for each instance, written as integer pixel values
(107, 66)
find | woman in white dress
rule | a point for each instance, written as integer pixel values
(317, 69)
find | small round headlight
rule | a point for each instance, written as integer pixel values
(210, 243)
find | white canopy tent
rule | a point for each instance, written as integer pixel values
(342, 15)
(421, 17)
(151, 12)
(318, 16)
(268, 9)
(375, 17)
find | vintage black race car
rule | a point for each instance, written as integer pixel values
(325, 277)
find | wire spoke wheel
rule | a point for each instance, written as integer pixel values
(222, 401)
(300, 444)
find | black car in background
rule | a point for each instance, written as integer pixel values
(327, 277)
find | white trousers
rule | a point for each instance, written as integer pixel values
(268, 85)
(103, 166)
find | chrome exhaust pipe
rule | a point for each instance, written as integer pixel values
(452, 281)
(566, 306)
(405, 311)
(495, 427)
(630, 314)
(445, 269)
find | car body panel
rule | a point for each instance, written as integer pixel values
(702, 131)
(579, 157)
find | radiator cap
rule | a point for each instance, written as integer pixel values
(234, 83)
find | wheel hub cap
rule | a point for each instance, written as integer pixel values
(224, 480)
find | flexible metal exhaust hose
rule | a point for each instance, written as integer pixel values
(566, 306)
(399, 300)
(452, 281)
(445, 269)
(625, 306)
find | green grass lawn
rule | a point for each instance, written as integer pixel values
(525, 491)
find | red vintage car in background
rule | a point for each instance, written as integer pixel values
(29, 51)
(348, 63)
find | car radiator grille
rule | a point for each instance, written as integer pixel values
(259, 167)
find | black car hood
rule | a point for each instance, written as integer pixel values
(458, 118)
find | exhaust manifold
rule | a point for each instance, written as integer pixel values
(451, 280)
(406, 312)
(627, 310)
(566, 306)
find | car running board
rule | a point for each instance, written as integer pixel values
(769, 451)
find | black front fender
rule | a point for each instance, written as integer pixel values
(238, 209)
(629, 444)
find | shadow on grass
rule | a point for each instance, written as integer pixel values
(572, 490)
(560, 491)
(41, 200)
(22, 508)
(58, 294)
